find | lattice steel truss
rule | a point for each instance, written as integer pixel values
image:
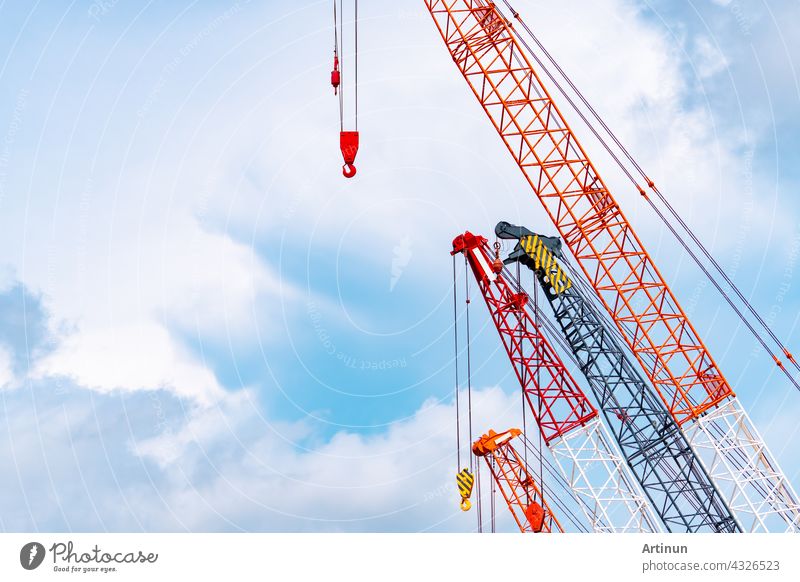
(516, 483)
(569, 424)
(739, 462)
(610, 254)
(676, 482)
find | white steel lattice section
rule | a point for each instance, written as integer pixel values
(602, 482)
(740, 464)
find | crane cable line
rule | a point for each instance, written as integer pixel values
(455, 345)
(475, 473)
(525, 408)
(658, 193)
(516, 282)
(336, 75)
(473, 470)
(355, 34)
(469, 363)
(537, 322)
(492, 492)
(338, 52)
(555, 475)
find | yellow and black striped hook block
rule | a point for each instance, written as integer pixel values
(465, 480)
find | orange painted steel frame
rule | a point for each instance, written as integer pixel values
(516, 484)
(589, 220)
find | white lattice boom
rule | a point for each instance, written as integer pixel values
(602, 482)
(741, 465)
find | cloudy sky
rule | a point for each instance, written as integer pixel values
(204, 327)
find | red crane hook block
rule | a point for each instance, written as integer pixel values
(336, 77)
(348, 141)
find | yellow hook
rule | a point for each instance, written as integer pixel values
(465, 480)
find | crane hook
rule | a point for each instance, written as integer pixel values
(465, 480)
(348, 141)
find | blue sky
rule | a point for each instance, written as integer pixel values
(205, 327)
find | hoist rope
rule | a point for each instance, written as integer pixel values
(546, 496)
(355, 26)
(455, 346)
(523, 331)
(538, 368)
(335, 31)
(479, 504)
(492, 492)
(557, 477)
(339, 39)
(728, 280)
(725, 296)
(469, 363)
(658, 193)
(522, 378)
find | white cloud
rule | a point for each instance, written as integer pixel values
(400, 479)
(202, 427)
(105, 462)
(116, 318)
(130, 357)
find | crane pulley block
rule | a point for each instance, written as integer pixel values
(535, 515)
(348, 141)
(336, 75)
(465, 480)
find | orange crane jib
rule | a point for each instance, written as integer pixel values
(492, 441)
(515, 483)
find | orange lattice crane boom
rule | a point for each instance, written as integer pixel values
(521, 493)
